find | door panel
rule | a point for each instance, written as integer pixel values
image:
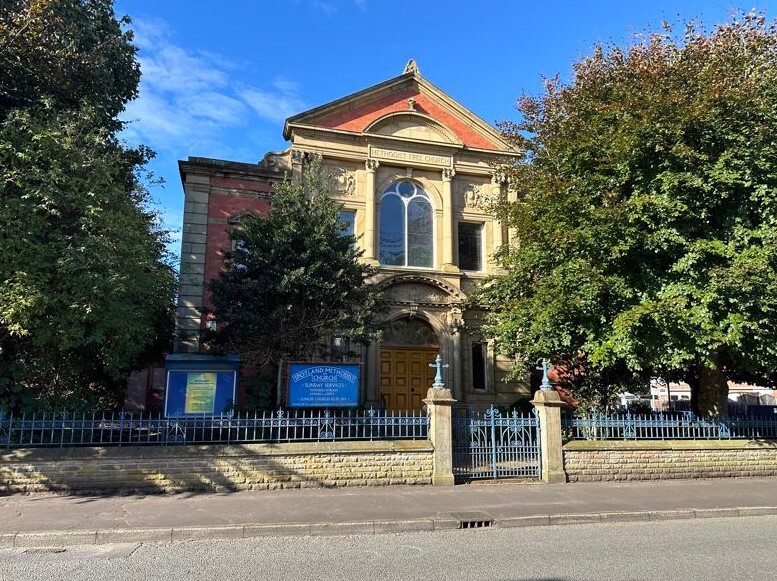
(405, 376)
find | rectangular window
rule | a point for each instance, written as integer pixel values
(348, 217)
(479, 367)
(470, 246)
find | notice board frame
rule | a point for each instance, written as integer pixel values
(184, 366)
(348, 396)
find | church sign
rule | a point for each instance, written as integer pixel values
(200, 384)
(410, 157)
(318, 385)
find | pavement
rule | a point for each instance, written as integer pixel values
(48, 520)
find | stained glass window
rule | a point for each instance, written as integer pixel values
(406, 226)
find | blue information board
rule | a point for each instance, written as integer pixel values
(315, 385)
(200, 384)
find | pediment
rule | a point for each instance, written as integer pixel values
(240, 216)
(406, 106)
(419, 289)
(409, 125)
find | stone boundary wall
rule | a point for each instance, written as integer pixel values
(587, 461)
(215, 468)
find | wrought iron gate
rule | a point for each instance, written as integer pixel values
(495, 445)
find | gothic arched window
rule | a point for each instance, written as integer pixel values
(406, 226)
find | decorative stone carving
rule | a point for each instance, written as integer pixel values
(371, 164)
(341, 180)
(299, 156)
(411, 67)
(277, 161)
(498, 179)
(452, 294)
(448, 173)
(474, 195)
(416, 293)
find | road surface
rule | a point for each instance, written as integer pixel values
(729, 548)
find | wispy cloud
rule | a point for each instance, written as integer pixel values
(326, 7)
(189, 97)
(274, 106)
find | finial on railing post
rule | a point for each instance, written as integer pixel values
(438, 383)
(546, 366)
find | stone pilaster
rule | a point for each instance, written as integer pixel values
(192, 273)
(548, 404)
(496, 193)
(370, 209)
(512, 198)
(297, 163)
(447, 221)
(439, 403)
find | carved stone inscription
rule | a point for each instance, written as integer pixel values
(410, 157)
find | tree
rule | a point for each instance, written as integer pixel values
(86, 285)
(293, 281)
(646, 215)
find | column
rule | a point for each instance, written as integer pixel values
(370, 254)
(447, 221)
(496, 194)
(438, 404)
(297, 162)
(456, 322)
(512, 197)
(548, 404)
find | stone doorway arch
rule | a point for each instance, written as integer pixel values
(409, 344)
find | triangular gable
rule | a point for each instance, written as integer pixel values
(409, 94)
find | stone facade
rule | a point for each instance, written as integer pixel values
(669, 459)
(404, 130)
(215, 468)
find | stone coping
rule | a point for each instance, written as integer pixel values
(637, 445)
(215, 450)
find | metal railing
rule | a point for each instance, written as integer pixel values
(670, 426)
(64, 429)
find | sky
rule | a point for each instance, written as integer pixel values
(220, 78)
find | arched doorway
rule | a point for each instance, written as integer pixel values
(408, 346)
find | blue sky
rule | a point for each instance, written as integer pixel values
(219, 78)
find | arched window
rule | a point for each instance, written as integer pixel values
(406, 227)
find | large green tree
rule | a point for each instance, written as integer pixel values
(294, 281)
(646, 215)
(86, 287)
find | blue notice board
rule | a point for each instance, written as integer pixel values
(318, 385)
(200, 384)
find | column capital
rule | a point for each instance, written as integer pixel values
(302, 156)
(498, 179)
(448, 173)
(371, 164)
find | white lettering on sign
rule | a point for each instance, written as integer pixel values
(408, 156)
(324, 374)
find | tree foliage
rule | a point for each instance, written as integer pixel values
(293, 281)
(86, 287)
(646, 215)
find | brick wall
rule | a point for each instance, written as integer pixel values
(586, 461)
(216, 468)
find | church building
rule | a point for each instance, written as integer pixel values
(412, 169)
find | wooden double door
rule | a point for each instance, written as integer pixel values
(405, 376)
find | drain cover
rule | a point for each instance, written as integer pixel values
(44, 551)
(472, 520)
